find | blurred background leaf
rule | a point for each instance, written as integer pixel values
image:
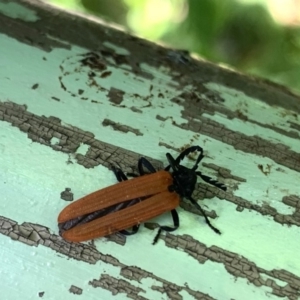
(259, 37)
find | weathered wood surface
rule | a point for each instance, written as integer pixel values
(75, 97)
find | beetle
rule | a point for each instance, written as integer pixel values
(130, 202)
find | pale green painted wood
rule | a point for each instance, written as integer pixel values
(32, 176)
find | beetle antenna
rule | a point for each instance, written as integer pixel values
(212, 181)
(216, 230)
(200, 156)
(172, 162)
(185, 153)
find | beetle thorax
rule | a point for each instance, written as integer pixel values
(184, 181)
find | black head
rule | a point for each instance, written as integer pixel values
(184, 178)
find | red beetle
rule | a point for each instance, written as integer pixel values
(131, 202)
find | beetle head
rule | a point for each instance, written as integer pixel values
(184, 178)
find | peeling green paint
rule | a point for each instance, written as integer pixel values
(18, 11)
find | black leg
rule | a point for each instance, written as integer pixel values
(134, 230)
(167, 228)
(216, 230)
(143, 162)
(119, 174)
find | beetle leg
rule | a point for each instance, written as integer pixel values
(134, 230)
(167, 228)
(119, 173)
(216, 230)
(143, 162)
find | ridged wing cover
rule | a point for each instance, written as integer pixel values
(141, 186)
